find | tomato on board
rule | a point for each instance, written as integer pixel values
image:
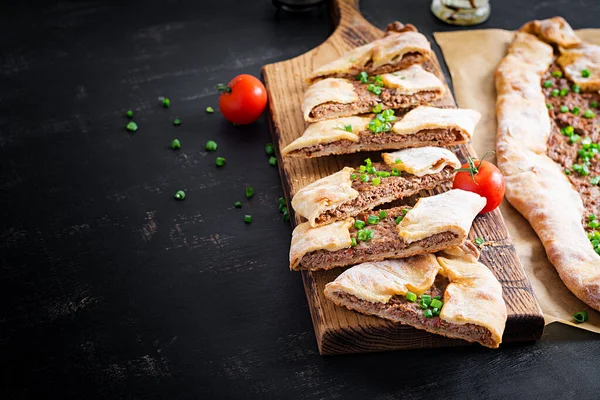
(243, 100)
(483, 178)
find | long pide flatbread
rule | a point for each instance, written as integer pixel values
(543, 143)
(433, 224)
(420, 127)
(350, 191)
(469, 298)
(337, 97)
(397, 50)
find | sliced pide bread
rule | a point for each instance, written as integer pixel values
(351, 191)
(338, 97)
(451, 294)
(396, 51)
(422, 126)
(433, 224)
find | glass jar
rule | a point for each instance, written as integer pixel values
(461, 12)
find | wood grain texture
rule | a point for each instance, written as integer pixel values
(337, 329)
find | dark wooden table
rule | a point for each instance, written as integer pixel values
(110, 288)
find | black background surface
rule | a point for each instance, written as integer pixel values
(110, 288)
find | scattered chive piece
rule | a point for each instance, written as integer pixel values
(376, 109)
(382, 174)
(371, 170)
(581, 316)
(364, 177)
(373, 219)
(129, 114)
(410, 296)
(362, 168)
(132, 127)
(348, 128)
(395, 172)
(273, 161)
(166, 103)
(210, 110)
(426, 299)
(382, 214)
(282, 204)
(569, 130)
(404, 211)
(574, 138)
(427, 313)
(363, 77)
(563, 92)
(595, 180)
(575, 88)
(422, 304)
(437, 297)
(374, 89)
(177, 121)
(549, 106)
(588, 114)
(435, 303)
(237, 204)
(548, 84)
(554, 92)
(594, 104)
(575, 110)
(249, 191)
(220, 161)
(247, 218)
(175, 144)
(376, 181)
(353, 176)
(399, 219)
(269, 149)
(585, 73)
(211, 145)
(358, 224)
(479, 241)
(568, 171)
(180, 195)
(564, 109)
(436, 311)
(557, 74)
(353, 242)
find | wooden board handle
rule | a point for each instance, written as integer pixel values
(350, 22)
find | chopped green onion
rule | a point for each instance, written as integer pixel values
(585, 73)
(273, 161)
(404, 211)
(568, 171)
(554, 92)
(593, 224)
(595, 180)
(353, 176)
(269, 149)
(220, 161)
(282, 204)
(368, 162)
(399, 219)
(588, 114)
(210, 110)
(376, 181)
(435, 303)
(383, 174)
(563, 92)
(353, 242)
(373, 219)
(557, 74)
(364, 235)
(594, 104)
(132, 127)
(247, 218)
(576, 88)
(575, 110)
(377, 108)
(436, 311)
(371, 170)
(574, 138)
(549, 106)
(180, 195)
(395, 172)
(129, 114)
(581, 316)
(422, 304)
(410, 296)
(362, 168)
(177, 121)
(427, 313)
(398, 161)
(569, 130)
(364, 177)
(426, 299)
(479, 241)
(378, 80)
(363, 77)
(249, 191)
(359, 224)
(382, 214)
(166, 103)
(437, 297)
(211, 145)
(564, 109)
(548, 84)
(175, 144)
(237, 204)
(374, 89)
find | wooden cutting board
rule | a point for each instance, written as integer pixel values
(337, 329)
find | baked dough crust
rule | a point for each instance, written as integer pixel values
(535, 185)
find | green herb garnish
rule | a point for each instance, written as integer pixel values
(479, 241)
(180, 195)
(376, 181)
(376, 109)
(373, 219)
(563, 92)
(269, 149)
(575, 88)
(210, 110)
(564, 109)
(399, 219)
(548, 84)
(249, 192)
(220, 161)
(166, 103)
(359, 224)
(554, 92)
(211, 145)
(247, 218)
(132, 126)
(237, 204)
(580, 317)
(410, 296)
(585, 73)
(557, 74)
(272, 161)
(177, 121)
(129, 114)
(588, 114)
(175, 144)
(382, 214)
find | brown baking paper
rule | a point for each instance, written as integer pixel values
(472, 58)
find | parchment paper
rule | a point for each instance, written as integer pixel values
(472, 58)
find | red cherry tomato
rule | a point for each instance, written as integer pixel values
(487, 181)
(243, 100)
